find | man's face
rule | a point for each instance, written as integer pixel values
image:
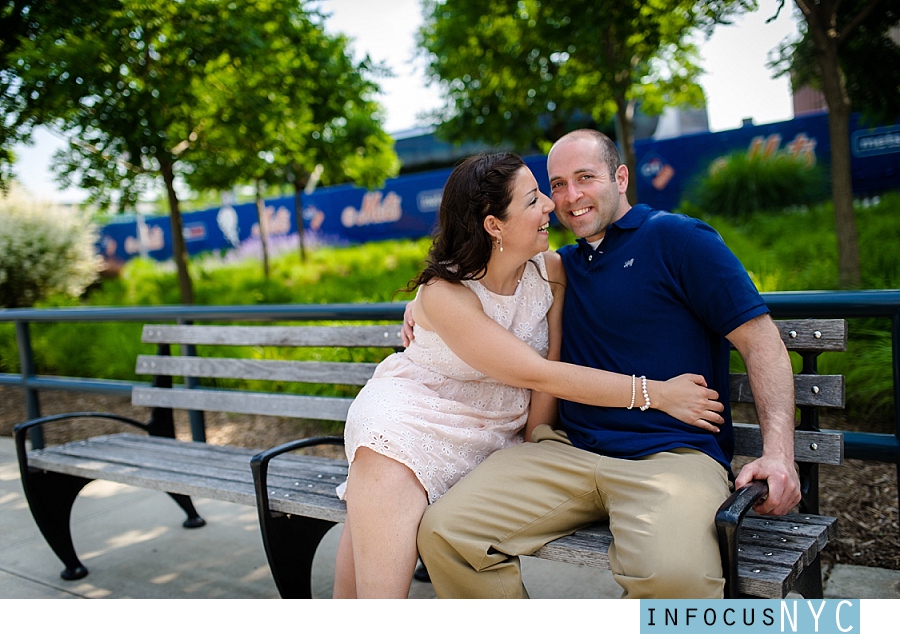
(587, 200)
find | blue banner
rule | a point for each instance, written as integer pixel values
(406, 207)
(668, 170)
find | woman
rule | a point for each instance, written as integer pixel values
(482, 372)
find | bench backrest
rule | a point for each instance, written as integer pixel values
(276, 371)
(808, 337)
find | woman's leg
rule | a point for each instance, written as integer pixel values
(344, 572)
(385, 502)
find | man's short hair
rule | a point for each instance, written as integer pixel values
(609, 153)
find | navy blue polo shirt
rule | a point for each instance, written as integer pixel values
(656, 298)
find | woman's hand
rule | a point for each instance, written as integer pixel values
(406, 332)
(686, 398)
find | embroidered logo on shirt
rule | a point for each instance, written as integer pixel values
(628, 263)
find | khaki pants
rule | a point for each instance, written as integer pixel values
(661, 511)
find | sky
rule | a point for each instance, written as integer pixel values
(737, 83)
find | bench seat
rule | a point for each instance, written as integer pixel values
(774, 550)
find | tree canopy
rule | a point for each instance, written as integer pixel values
(837, 52)
(523, 73)
(142, 84)
(873, 88)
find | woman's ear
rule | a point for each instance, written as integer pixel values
(492, 226)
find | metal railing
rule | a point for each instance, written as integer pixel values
(880, 447)
(32, 383)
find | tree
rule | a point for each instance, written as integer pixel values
(22, 21)
(131, 79)
(523, 73)
(301, 103)
(839, 41)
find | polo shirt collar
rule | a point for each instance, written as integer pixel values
(632, 219)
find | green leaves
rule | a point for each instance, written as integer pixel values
(521, 74)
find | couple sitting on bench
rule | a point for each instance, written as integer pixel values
(641, 434)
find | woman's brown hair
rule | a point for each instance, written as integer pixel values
(480, 186)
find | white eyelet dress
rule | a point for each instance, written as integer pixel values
(440, 417)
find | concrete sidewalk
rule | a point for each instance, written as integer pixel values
(132, 542)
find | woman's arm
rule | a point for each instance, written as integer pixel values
(456, 315)
(544, 408)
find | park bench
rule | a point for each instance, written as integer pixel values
(295, 494)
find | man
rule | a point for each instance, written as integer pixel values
(649, 293)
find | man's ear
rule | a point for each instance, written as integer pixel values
(622, 178)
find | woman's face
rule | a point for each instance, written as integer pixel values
(527, 217)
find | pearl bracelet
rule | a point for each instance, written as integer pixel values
(646, 404)
(632, 392)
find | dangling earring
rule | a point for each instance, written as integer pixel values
(500, 243)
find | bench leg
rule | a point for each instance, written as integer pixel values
(809, 583)
(193, 518)
(50, 497)
(291, 542)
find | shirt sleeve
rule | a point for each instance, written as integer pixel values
(716, 284)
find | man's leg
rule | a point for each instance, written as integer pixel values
(512, 504)
(662, 509)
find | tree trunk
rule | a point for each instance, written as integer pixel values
(822, 27)
(179, 248)
(263, 227)
(625, 132)
(298, 205)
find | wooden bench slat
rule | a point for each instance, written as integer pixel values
(767, 581)
(257, 369)
(292, 336)
(292, 405)
(288, 467)
(806, 545)
(819, 390)
(799, 335)
(822, 527)
(819, 447)
(159, 480)
(175, 463)
(210, 465)
(226, 483)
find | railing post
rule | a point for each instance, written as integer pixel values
(26, 367)
(197, 419)
(895, 360)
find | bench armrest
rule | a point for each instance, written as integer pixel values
(728, 525)
(259, 465)
(21, 430)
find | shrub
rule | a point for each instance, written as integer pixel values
(44, 249)
(742, 183)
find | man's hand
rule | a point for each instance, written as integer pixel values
(784, 485)
(406, 332)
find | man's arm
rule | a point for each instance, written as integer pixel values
(772, 384)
